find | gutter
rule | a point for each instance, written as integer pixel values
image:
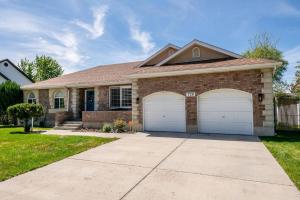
(85, 85)
(206, 70)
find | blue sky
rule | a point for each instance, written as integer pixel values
(82, 34)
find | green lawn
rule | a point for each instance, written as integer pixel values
(285, 147)
(21, 152)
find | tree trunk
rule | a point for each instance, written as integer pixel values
(26, 126)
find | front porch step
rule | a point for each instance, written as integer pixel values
(73, 122)
(69, 125)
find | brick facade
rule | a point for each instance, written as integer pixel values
(48, 118)
(248, 81)
(252, 81)
(96, 119)
(103, 98)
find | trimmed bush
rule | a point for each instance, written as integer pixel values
(25, 111)
(120, 125)
(107, 128)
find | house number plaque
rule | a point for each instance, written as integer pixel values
(190, 94)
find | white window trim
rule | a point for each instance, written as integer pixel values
(85, 93)
(29, 98)
(196, 50)
(119, 87)
(54, 97)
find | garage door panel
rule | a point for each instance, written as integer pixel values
(164, 111)
(224, 106)
(225, 128)
(225, 111)
(219, 116)
(233, 93)
(165, 118)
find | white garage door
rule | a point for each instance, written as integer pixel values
(164, 111)
(225, 111)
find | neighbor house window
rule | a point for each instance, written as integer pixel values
(120, 97)
(59, 100)
(31, 98)
(196, 52)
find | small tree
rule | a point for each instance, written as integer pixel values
(263, 46)
(28, 68)
(10, 94)
(25, 111)
(42, 68)
(47, 68)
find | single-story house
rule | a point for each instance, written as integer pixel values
(10, 72)
(195, 88)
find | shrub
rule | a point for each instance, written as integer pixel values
(10, 94)
(107, 128)
(120, 125)
(25, 111)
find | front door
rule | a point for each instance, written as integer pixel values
(89, 100)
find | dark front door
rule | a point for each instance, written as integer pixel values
(89, 100)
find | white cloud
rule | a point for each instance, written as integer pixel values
(142, 37)
(68, 39)
(37, 37)
(293, 55)
(63, 47)
(96, 29)
(285, 8)
(18, 21)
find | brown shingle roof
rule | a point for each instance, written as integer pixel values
(100, 75)
(182, 67)
(118, 73)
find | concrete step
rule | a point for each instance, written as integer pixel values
(73, 122)
(66, 128)
(69, 125)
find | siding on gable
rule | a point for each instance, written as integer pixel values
(205, 54)
(13, 74)
(163, 55)
(2, 79)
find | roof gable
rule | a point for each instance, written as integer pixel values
(213, 51)
(160, 55)
(5, 77)
(17, 68)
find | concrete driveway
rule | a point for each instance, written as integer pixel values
(162, 167)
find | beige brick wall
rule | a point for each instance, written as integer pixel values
(52, 92)
(268, 112)
(74, 102)
(27, 92)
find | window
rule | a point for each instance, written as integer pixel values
(31, 98)
(196, 52)
(120, 97)
(59, 100)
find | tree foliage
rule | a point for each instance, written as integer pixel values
(28, 68)
(296, 85)
(25, 111)
(263, 46)
(42, 68)
(10, 94)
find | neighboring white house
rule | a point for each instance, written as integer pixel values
(9, 71)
